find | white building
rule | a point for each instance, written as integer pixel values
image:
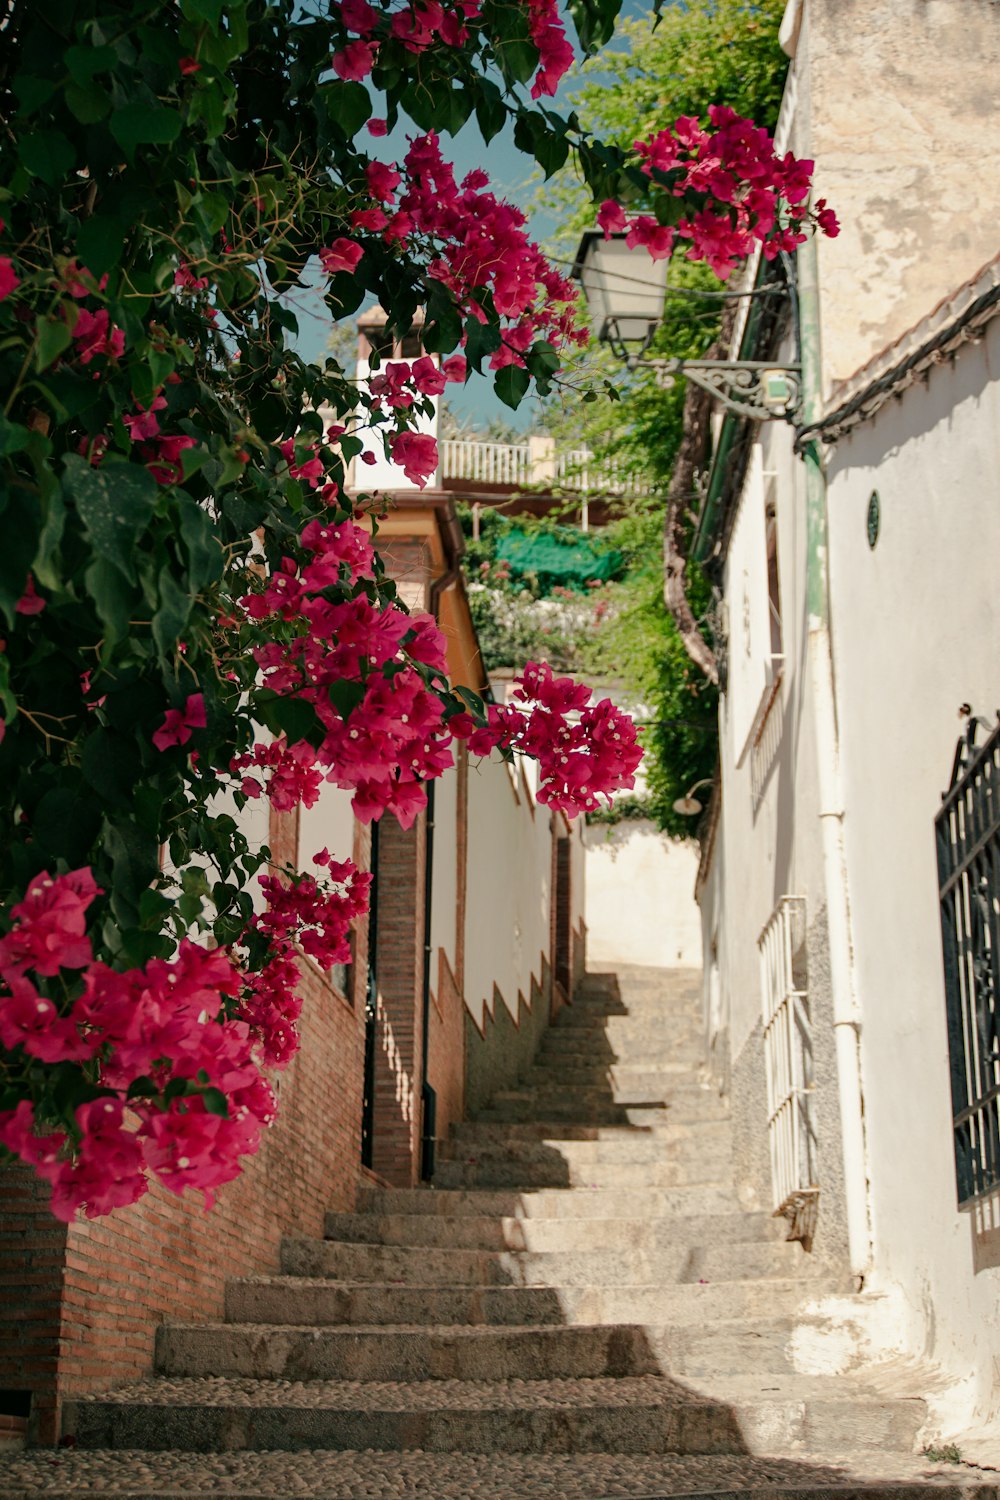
(855, 552)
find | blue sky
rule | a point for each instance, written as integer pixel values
(510, 173)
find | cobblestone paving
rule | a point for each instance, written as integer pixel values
(435, 1476)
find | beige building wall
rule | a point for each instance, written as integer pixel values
(899, 104)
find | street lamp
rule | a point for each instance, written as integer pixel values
(688, 806)
(625, 289)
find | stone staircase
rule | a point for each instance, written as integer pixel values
(579, 1307)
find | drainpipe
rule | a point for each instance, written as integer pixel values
(846, 1010)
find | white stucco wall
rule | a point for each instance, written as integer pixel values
(640, 896)
(508, 887)
(916, 625)
(444, 897)
(328, 824)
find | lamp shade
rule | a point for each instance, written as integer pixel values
(624, 288)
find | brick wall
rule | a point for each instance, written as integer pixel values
(399, 975)
(88, 1299)
(32, 1249)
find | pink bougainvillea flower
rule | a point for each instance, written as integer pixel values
(455, 368)
(189, 65)
(49, 925)
(163, 456)
(355, 61)
(180, 723)
(429, 379)
(9, 278)
(611, 218)
(29, 603)
(358, 16)
(657, 239)
(185, 278)
(377, 126)
(31, 1021)
(94, 334)
(369, 458)
(342, 255)
(383, 180)
(416, 453)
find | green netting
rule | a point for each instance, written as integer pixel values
(564, 557)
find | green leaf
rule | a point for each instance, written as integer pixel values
(112, 599)
(215, 1102)
(348, 106)
(32, 92)
(144, 124)
(65, 825)
(288, 716)
(20, 520)
(480, 339)
(115, 503)
(172, 615)
(135, 861)
(491, 112)
(88, 104)
(511, 385)
(52, 336)
(100, 241)
(84, 63)
(47, 154)
(13, 437)
(204, 554)
(112, 765)
(203, 10)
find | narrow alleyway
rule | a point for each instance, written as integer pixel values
(579, 1308)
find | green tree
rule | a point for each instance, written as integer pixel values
(702, 52)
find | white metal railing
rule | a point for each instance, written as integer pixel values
(520, 465)
(486, 463)
(788, 1055)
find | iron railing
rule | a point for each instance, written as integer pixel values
(788, 1057)
(968, 857)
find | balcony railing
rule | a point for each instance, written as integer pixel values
(534, 464)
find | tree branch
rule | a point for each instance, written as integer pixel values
(690, 458)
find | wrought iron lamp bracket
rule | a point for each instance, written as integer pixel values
(758, 389)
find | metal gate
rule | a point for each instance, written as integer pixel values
(968, 856)
(788, 1057)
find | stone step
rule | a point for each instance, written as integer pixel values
(414, 1475)
(616, 1265)
(555, 1134)
(695, 1169)
(555, 1234)
(551, 1100)
(406, 1353)
(533, 1315)
(685, 1153)
(544, 1203)
(517, 1106)
(649, 1415)
(624, 1080)
(566, 1049)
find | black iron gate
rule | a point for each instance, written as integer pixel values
(968, 855)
